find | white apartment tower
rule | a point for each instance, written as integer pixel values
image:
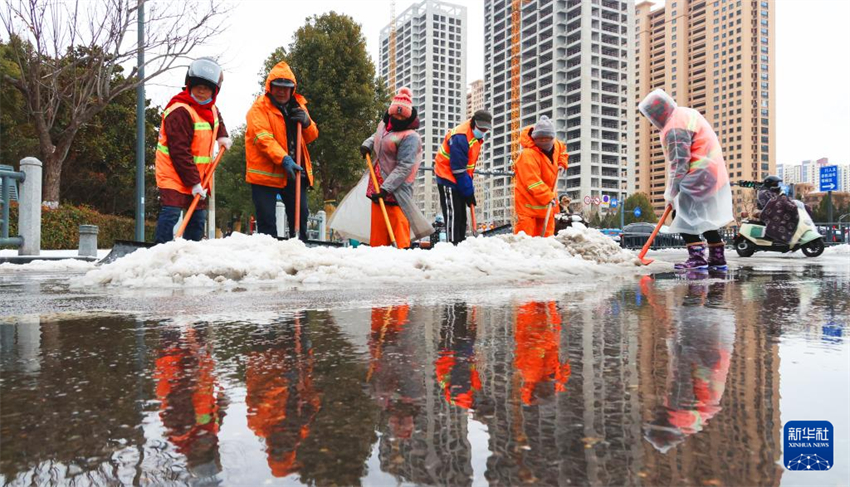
(576, 67)
(431, 61)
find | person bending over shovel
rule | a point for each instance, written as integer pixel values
(697, 184)
(191, 125)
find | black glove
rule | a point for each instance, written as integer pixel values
(469, 200)
(299, 115)
(376, 196)
(365, 149)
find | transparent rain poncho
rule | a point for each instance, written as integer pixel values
(697, 181)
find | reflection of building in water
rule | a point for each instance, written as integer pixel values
(423, 437)
(192, 405)
(282, 401)
(710, 398)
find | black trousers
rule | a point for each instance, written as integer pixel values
(454, 213)
(265, 203)
(711, 236)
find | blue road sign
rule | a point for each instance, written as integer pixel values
(637, 212)
(613, 202)
(829, 178)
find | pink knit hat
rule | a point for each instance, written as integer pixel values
(402, 103)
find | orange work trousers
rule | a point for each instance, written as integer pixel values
(533, 227)
(401, 227)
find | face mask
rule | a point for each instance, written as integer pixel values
(479, 134)
(205, 102)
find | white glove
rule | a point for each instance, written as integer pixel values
(198, 189)
(224, 143)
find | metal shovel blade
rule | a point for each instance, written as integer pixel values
(122, 248)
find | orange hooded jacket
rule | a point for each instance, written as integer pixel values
(265, 136)
(536, 176)
(538, 347)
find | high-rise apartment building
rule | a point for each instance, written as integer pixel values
(718, 57)
(575, 67)
(474, 102)
(474, 97)
(431, 60)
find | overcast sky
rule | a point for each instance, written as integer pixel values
(812, 56)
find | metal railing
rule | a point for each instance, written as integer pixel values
(7, 179)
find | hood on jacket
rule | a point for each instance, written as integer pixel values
(282, 70)
(525, 140)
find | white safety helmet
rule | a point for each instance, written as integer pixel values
(206, 71)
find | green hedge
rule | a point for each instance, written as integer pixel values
(60, 227)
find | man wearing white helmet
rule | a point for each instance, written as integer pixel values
(191, 125)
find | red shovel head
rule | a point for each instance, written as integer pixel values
(645, 249)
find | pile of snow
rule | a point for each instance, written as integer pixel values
(593, 245)
(259, 259)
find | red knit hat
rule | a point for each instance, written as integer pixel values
(402, 103)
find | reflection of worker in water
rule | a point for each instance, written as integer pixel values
(700, 350)
(192, 406)
(538, 341)
(455, 365)
(282, 402)
(392, 372)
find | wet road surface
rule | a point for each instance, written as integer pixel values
(662, 380)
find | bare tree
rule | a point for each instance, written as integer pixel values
(68, 59)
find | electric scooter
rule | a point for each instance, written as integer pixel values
(751, 236)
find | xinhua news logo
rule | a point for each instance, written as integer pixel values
(808, 445)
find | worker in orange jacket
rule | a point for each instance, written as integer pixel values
(538, 344)
(281, 398)
(191, 125)
(536, 177)
(192, 404)
(270, 151)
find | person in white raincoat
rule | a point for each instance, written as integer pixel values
(697, 184)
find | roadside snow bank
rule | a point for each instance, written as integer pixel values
(64, 265)
(257, 259)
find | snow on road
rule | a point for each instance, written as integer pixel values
(259, 259)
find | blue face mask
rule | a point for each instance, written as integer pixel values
(479, 134)
(205, 102)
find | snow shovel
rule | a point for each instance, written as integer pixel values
(546, 221)
(298, 184)
(120, 248)
(474, 223)
(381, 200)
(645, 249)
(206, 185)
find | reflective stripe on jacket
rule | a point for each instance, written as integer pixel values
(203, 141)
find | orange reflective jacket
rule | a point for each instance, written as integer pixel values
(203, 142)
(265, 136)
(538, 343)
(442, 163)
(536, 176)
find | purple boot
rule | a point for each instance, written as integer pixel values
(716, 259)
(696, 258)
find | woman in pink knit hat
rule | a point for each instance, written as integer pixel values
(396, 148)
